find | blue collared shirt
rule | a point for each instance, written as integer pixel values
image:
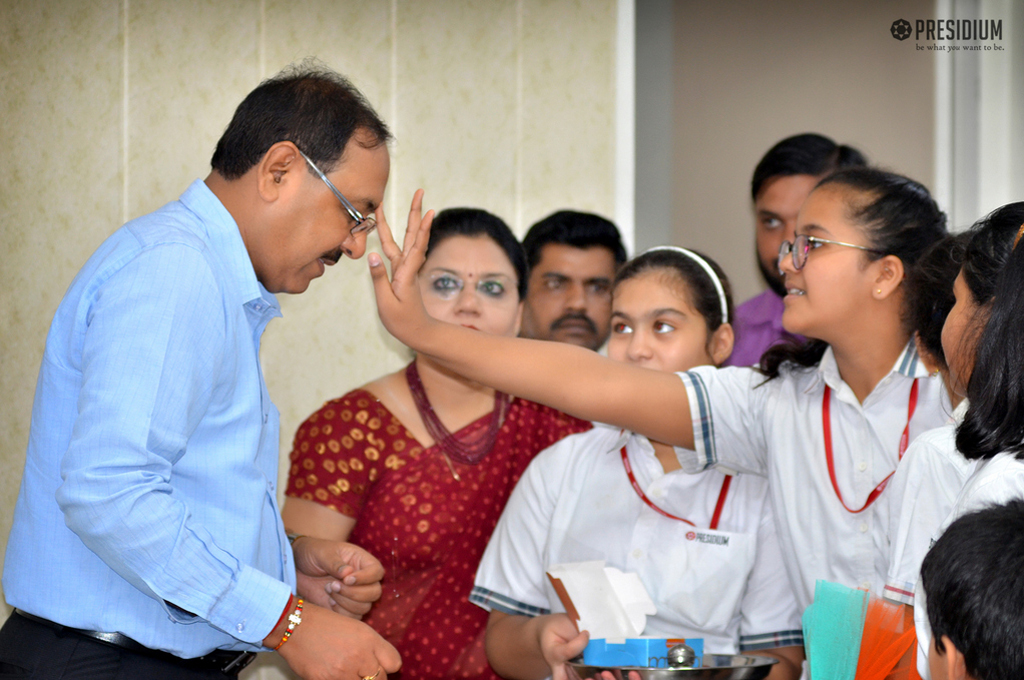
(148, 502)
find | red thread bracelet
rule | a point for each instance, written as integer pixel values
(294, 619)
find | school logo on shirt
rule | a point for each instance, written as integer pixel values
(701, 537)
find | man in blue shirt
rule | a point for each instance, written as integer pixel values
(147, 540)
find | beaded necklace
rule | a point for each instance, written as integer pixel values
(468, 450)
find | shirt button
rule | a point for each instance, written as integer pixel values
(638, 553)
(866, 585)
(240, 627)
(863, 527)
(862, 466)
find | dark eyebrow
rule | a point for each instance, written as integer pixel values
(598, 279)
(668, 310)
(486, 275)
(768, 213)
(810, 229)
(556, 275)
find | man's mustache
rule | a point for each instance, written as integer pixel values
(574, 317)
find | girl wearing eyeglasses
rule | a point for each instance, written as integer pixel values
(826, 422)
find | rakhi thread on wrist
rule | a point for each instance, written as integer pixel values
(294, 619)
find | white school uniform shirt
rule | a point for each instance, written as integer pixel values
(774, 428)
(575, 503)
(921, 496)
(992, 481)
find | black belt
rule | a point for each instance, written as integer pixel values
(229, 663)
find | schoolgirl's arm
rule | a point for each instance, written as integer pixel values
(532, 647)
(572, 379)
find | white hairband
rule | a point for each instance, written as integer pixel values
(707, 268)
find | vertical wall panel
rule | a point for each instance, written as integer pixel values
(457, 103)
(189, 64)
(60, 189)
(568, 118)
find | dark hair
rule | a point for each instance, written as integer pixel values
(898, 216)
(307, 104)
(806, 154)
(993, 270)
(973, 578)
(699, 286)
(477, 222)
(576, 229)
(929, 295)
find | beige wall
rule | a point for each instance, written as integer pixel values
(109, 108)
(749, 73)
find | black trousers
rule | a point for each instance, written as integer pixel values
(32, 650)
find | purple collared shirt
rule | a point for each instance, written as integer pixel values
(758, 325)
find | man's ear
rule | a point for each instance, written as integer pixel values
(890, 276)
(956, 666)
(720, 343)
(277, 170)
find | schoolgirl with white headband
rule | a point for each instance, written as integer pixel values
(826, 422)
(704, 545)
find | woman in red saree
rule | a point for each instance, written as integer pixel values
(417, 465)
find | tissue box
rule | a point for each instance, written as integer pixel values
(641, 651)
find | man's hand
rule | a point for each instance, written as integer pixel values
(326, 646)
(337, 575)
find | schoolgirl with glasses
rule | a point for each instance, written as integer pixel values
(704, 545)
(826, 422)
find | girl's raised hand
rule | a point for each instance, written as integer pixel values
(399, 303)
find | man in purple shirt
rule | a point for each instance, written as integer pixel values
(782, 180)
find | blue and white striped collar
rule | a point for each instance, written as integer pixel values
(908, 364)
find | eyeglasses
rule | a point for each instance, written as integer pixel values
(363, 224)
(802, 245)
(448, 286)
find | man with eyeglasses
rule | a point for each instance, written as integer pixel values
(147, 540)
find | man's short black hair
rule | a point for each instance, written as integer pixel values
(806, 154)
(307, 104)
(973, 578)
(576, 229)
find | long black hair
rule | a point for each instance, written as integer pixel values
(993, 270)
(898, 216)
(929, 295)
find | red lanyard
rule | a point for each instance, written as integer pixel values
(640, 492)
(826, 420)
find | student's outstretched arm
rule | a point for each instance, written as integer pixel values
(569, 378)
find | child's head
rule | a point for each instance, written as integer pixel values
(671, 311)
(973, 578)
(866, 228)
(858, 234)
(929, 297)
(984, 336)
